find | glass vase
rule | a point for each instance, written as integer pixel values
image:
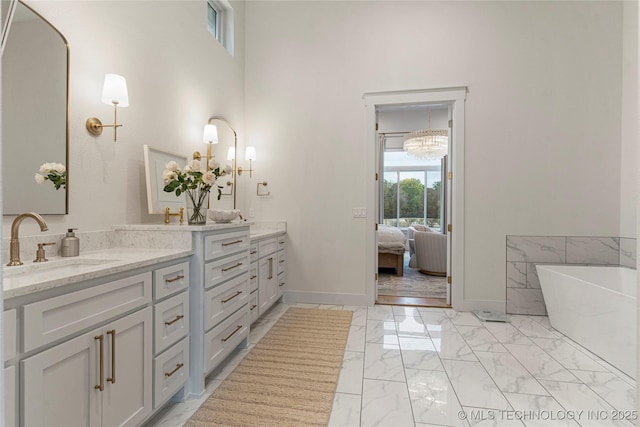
(197, 205)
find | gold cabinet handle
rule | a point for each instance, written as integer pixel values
(253, 252)
(101, 385)
(232, 267)
(231, 297)
(232, 243)
(174, 279)
(281, 261)
(253, 307)
(178, 317)
(232, 333)
(252, 277)
(281, 242)
(270, 268)
(178, 366)
(282, 284)
(112, 332)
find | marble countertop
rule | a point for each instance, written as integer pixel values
(210, 226)
(263, 234)
(31, 278)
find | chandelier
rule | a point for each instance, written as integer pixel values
(427, 144)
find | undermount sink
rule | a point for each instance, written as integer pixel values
(69, 265)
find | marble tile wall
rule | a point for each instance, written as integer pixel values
(524, 295)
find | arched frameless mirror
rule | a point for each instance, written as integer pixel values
(35, 81)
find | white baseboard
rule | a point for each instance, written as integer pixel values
(325, 298)
(481, 305)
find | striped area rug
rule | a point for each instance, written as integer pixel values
(288, 379)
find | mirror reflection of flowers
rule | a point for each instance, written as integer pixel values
(54, 172)
(195, 181)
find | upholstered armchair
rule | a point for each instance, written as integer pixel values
(431, 252)
(410, 233)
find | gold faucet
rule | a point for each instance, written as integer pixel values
(14, 248)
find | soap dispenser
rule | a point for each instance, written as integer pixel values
(70, 244)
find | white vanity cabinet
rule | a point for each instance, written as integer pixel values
(10, 371)
(220, 296)
(102, 377)
(271, 267)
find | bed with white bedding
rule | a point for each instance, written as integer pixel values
(391, 247)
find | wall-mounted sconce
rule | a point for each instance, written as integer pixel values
(114, 92)
(250, 154)
(210, 137)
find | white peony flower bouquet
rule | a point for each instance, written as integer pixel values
(54, 172)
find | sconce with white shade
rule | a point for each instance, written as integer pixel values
(250, 154)
(209, 137)
(114, 93)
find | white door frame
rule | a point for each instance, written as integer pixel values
(456, 97)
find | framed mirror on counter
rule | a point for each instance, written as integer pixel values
(35, 118)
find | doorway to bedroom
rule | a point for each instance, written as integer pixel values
(412, 207)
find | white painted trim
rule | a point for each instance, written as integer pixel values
(292, 297)
(456, 96)
(481, 305)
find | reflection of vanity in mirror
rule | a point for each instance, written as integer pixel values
(223, 151)
(35, 65)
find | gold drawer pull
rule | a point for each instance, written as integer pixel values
(231, 268)
(232, 243)
(253, 307)
(178, 366)
(101, 385)
(232, 333)
(231, 297)
(252, 277)
(282, 284)
(112, 332)
(281, 242)
(253, 252)
(178, 317)
(281, 261)
(270, 276)
(174, 279)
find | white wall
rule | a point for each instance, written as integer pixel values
(178, 76)
(629, 146)
(543, 117)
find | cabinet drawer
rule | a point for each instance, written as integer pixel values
(253, 306)
(224, 299)
(170, 280)
(170, 372)
(253, 252)
(55, 318)
(218, 245)
(282, 242)
(218, 271)
(10, 393)
(253, 277)
(222, 339)
(282, 261)
(171, 321)
(10, 331)
(282, 284)
(267, 247)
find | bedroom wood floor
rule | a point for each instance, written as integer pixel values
(411, 301)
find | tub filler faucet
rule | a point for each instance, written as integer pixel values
(14, 248)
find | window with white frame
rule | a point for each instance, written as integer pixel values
(220, 22)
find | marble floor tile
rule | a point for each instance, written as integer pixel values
(531, 328)
(420, 353)
(624, 377)
(480, 339)
(381, 331)
(380, 312)
(430, 310)
(330, 307)
(579, 397)
(540, 364)
(346, 410)
(350, 379)
(399, 310)
(385, 404)
(433, 399)
(473, 385)
(543, 407)
(357, 338)
(569, 356)
(465, 318)
(611, 388)
(410, 326)
(359, 315)
(508, 374)
(451, 345)
(383, 362)
(506, 333)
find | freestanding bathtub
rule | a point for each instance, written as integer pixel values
(596, 307)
